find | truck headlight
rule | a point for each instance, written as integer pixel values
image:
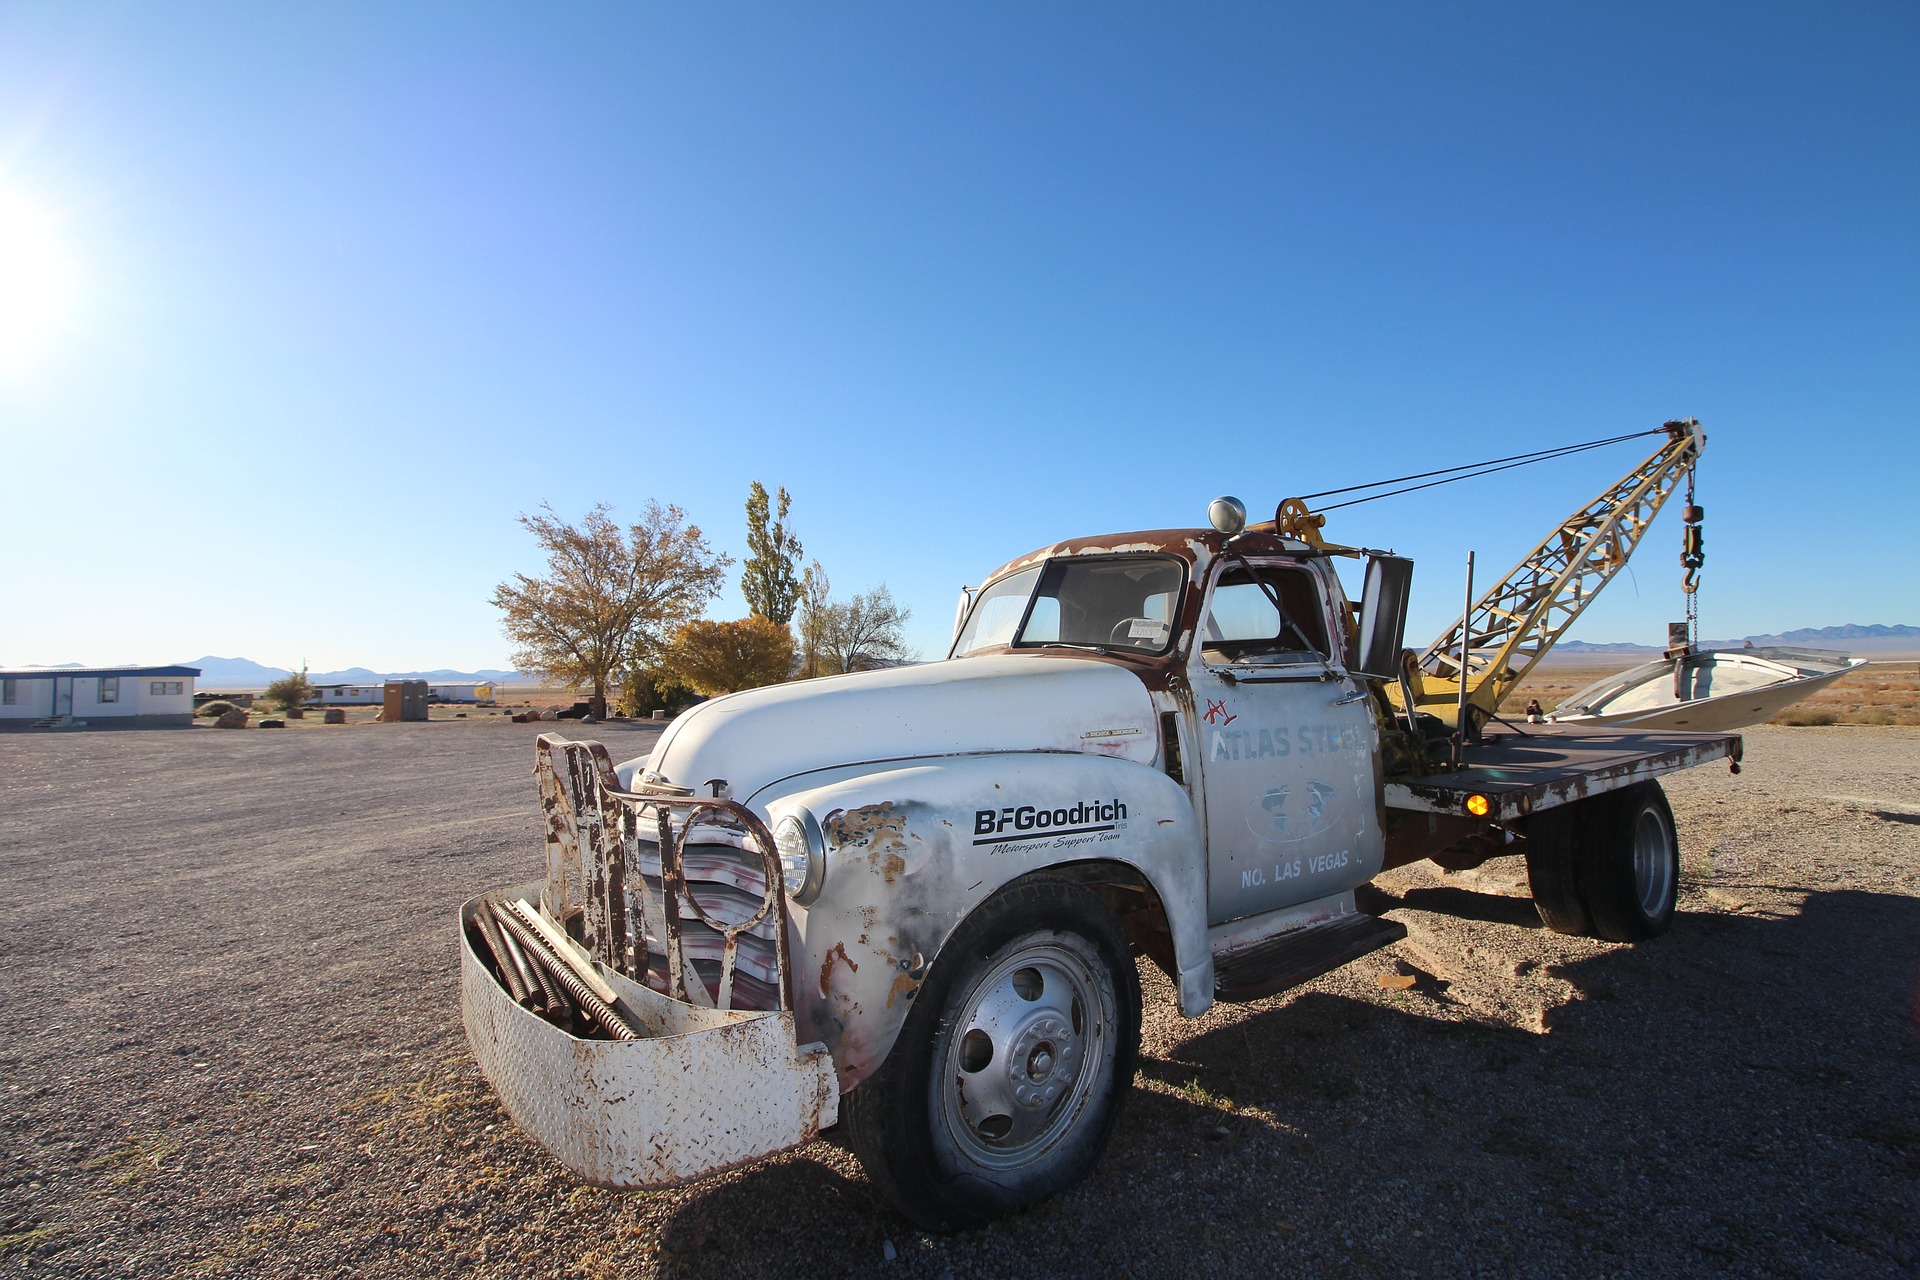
(803, 854)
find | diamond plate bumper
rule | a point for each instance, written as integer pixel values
(709, 1090)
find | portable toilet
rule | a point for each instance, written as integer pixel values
(405, 700)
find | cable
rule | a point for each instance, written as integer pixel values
(1473, 470)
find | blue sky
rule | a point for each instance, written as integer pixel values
(339, 291)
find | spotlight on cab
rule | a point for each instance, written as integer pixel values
(1228, 515)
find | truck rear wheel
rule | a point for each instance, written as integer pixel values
(1630, 864)
(1553, 857)
(1013, 1065)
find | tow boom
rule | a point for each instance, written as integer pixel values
(1516, 621)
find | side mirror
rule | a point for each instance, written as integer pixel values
(1383, 617)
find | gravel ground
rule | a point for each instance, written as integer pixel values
(232, 1046)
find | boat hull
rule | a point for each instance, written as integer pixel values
(1711, 692)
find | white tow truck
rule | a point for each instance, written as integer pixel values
(912, 901)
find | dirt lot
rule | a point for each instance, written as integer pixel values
(232, 1047)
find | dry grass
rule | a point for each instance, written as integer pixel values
(1883, 693)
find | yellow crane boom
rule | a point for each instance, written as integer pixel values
(1516, 621)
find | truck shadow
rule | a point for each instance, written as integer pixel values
(1742, 1094)
(1453, 900)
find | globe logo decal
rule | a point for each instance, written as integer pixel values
(1283, 814)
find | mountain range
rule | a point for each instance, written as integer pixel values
(243, 673)
(1855, 638)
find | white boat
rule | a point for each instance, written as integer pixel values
(1707, 692)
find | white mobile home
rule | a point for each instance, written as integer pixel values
(346, 695)
(98, 695)
(460, 692)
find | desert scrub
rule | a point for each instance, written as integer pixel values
(214, 710)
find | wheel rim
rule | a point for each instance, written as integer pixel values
(1024, 1055)
(1652, 862)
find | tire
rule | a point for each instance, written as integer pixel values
(1553, 856)
(1012, 1066)
(1630, 864)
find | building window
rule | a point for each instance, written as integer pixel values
(165, 688)
(109, 689)
(9, 691)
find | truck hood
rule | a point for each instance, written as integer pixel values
(1002, 702)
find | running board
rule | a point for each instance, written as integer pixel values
(1299, 955)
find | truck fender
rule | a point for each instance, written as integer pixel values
(912, 848)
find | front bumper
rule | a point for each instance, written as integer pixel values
(703, 1090)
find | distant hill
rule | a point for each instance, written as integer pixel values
(239, 672)
(1855, 638)
(244, 673)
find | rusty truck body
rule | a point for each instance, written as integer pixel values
(912, 901)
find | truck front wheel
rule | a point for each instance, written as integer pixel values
(1012, 1066)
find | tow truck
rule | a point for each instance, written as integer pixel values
(912, 902)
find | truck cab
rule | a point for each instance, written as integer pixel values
(911, 901)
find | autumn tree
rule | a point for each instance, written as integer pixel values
(721, 657)
(611, 598)
(864, 632)
(768, 579)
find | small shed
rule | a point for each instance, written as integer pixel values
(128, 695)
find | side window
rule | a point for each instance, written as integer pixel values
(1244, 625)
(1043, 624)
(109, 689)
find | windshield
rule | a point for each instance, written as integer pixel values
(1126, 604)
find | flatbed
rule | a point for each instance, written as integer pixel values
(1521, 772)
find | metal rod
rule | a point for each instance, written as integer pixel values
(1466, 633)
(554, 968)
(490, 936)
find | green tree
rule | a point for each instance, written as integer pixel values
(290, 692)
(647, 689)
(720, 657)
(611, 598)
(767, 579)
(816, 606)
(864, 632)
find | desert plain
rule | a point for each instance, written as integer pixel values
(231, 1046)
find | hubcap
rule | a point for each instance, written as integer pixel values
(1652, 862)
(1024, 1055)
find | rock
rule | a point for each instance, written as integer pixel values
(273, 724)
(334, 715)
(234, 719)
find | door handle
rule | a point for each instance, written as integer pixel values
(1355, 696)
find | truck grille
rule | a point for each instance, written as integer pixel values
(715, 899)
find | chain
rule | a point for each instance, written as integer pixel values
(1692, 555)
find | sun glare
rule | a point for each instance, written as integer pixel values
(36, 283)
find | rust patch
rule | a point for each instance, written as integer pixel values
(904, 984)
(826, 965)
(880, 829)
(866, 825)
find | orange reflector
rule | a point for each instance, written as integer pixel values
(1478, 805)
